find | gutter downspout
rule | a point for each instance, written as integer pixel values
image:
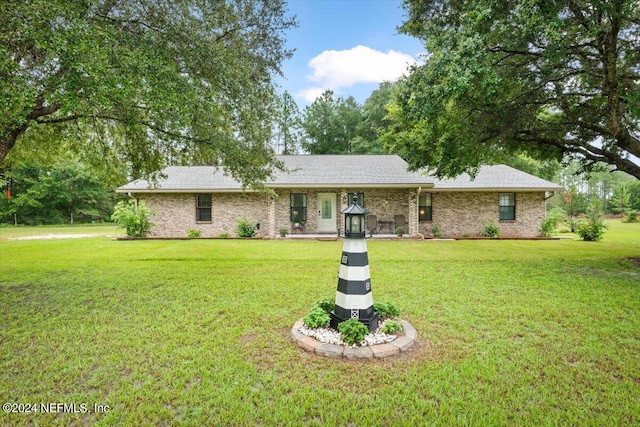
(134, 198)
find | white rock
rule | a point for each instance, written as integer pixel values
(331, 336)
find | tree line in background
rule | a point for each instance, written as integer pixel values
(48, 188)
(65, 192)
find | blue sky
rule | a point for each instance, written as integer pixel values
(348, 46)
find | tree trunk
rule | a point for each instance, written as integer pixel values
(7, 141)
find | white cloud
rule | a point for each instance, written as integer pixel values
(335, 69)
(310, 94)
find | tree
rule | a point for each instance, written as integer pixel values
(157, 81)
(574, 202)
(545, 78)
(331, 124)
(602, 185)
(287, 124)
(374, 121)
(634, 195)
(68, 191)
(319, 122)
(350, 116)
(620, 200)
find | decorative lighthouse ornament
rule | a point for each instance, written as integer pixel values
(353, 297)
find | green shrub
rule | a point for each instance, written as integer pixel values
(223, 235)
(572, 223)
(592, 227)
(631, 216)
(386, 309)
(547, 227)
(193, 233)
(353, 331)
(245, 228)
(557, 215)
(490, 230)
(134, 219)
(391, 327)
(436, 231)
(326, 304)
(317, 318)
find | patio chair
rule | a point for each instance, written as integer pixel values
(372, 224)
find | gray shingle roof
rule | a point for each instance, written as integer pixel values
(302, 171)
(186, 179)
(348, 170)
(497, 177)
(340, 171)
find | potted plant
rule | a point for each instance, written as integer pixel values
(399, 231)
(284, 231)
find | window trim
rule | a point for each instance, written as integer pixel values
(201, 209)
(428, 215)
(509, 209)
(303, 207)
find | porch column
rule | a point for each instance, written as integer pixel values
(413, 228)
(271, 216)
(341, 205)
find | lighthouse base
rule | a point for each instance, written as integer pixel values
(371, 322)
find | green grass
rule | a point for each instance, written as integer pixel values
(197, 332)
(11, 232)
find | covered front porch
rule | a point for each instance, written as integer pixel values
(315, 213)
(335, 236)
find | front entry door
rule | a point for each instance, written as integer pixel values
(326, 213)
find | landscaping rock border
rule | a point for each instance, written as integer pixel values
(405, 341)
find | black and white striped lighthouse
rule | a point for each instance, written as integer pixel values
(354, 298)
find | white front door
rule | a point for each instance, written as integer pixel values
(326, 213)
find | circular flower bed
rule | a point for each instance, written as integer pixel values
(403, 342)
(331, 336)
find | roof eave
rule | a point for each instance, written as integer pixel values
(183, 190)
(499, 189)
(352, 185)
(275, 186)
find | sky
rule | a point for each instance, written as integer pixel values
(348, 46)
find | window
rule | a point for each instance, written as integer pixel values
(507, 206)
(298, 207)
(424, 207)
(360, 198)
(203, 207)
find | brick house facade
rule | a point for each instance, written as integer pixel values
(309, 197)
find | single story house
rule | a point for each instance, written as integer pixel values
(308, 196)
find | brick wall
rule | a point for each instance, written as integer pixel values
(175, 213)
(457, 213)
(460, 213)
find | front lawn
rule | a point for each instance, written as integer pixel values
(197, 333)
(59, 231)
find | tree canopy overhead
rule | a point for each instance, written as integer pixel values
(151, 80)
(549, 79)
